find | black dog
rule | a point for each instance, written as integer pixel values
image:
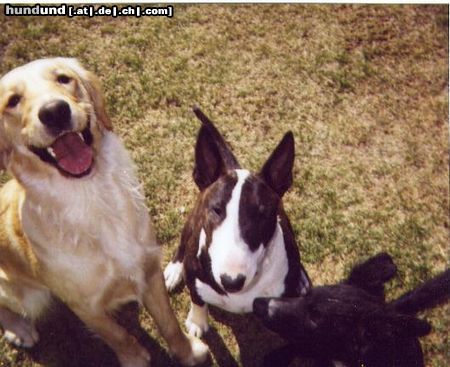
(351, 323)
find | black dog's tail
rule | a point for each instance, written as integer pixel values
(433, 292)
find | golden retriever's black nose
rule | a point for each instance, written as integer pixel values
(232, 285)
(55, 115)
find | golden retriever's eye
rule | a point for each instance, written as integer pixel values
(64, 79)
(13, 101)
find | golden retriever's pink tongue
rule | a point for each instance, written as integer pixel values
(72, 154)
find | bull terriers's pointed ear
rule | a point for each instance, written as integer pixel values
(208, 163)
(277, 171)
(227, 156)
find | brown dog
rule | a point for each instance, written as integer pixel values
(73, 220)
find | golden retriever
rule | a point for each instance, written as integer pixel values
(73, 222)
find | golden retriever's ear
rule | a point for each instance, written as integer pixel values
(92, 84)
(5, 148)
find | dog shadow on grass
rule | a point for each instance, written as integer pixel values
(253, 339)
(66, 342)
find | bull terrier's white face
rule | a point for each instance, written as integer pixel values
(237, 209)
(237, 244)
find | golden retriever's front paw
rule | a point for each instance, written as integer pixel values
(199, 352)
(17, 330)
(140, 358)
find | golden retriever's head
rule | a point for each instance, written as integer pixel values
(52, 117)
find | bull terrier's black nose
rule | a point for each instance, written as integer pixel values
(55, 115)
(232, 284)
(260, 306)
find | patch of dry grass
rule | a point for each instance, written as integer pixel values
(363, 88)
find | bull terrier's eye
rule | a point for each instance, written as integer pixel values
(13, 101)
(63, 79)
(263, 212)
(217, 210)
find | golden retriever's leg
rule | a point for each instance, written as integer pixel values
(20, 306)
(129, 352)
(189, 350)
(17, 330)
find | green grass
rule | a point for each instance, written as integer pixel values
(363, 88)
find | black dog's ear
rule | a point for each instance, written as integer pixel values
(277, 171)
(373, 273)
(227, 156)
(208, 162)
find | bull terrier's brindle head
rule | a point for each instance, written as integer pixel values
(237, 210)
(237, 243)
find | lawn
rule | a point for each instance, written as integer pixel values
(364, 90)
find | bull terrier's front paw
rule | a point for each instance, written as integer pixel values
(199, 352)
(18, 330)
(197, 320)
(173, 274)
(196, 330)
